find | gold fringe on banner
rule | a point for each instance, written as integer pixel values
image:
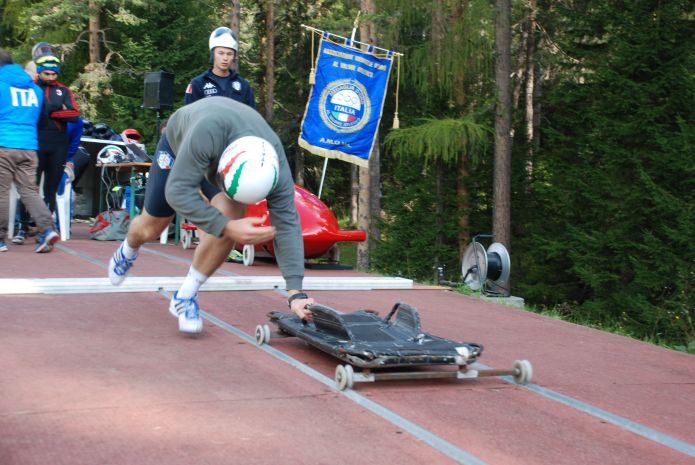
(312, 73)
(335, 154)
(396, 121)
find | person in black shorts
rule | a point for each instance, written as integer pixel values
(155, 200)
(229, 152)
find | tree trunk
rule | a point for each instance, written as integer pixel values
(439, 217)
(368, 34)
(530, 88)
(501, 224)
(268, 44)
(299, 166)
(463, 206)
(354, 193)
(363, 217)
(462, 196)
(94, 27)
(459, 10)
(537, 94)
(519, 76)
(234, 25)
(367, 199)
(375, 194)
(438, 33)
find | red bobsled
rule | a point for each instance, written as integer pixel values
(320, 229)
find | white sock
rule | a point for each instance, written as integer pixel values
(189, 288)
(128, 251)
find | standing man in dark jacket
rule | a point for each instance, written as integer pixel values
(59, 108)
(20, 107)
(221, 80)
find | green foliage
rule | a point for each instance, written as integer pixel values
(617, 191)
(413, 235)
(440, 139)
(438, 65)
(135, 37)
(444, 89)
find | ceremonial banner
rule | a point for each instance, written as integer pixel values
(344, 108)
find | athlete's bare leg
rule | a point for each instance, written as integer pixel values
(145, 228)
(212, 251)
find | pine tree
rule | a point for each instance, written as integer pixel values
(618, 190)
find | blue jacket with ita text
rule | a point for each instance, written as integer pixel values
(20, 108)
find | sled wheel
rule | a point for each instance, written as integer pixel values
(262, 334)
(523, 371)
(248, 254)
(186, 239)
(344, 377)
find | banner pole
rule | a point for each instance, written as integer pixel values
(330, 34)
(354, 27)
(323, 175)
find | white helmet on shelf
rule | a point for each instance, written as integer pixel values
(111, 154)
(249, 169)
(223, 37)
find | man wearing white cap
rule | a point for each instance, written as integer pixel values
(220, 80)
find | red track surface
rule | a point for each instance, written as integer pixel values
(107, 379)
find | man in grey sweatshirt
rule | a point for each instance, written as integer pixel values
(186, 155)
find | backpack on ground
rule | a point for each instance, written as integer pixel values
(110, 225)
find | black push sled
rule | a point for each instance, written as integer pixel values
(362, 339)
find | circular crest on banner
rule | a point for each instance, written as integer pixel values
(344, 105)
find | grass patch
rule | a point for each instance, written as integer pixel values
(348, 253)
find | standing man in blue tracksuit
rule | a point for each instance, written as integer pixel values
(221, 80)
(20, 108)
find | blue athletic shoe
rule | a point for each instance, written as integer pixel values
(119, 266)
(188, 313)
(3, 246)
(45, 241)
(20, 237)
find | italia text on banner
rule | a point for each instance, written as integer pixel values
(344, 108)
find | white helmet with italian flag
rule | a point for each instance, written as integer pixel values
(249, 169)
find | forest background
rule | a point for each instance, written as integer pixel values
(602, 170)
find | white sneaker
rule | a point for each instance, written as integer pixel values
(119, 266)
(188, 313)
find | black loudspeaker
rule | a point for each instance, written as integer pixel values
(159, 90)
